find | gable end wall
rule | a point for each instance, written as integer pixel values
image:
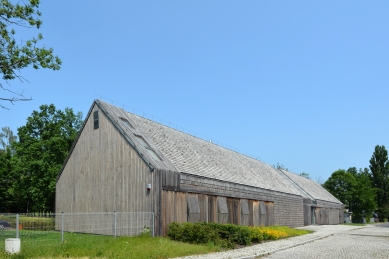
(104, 173)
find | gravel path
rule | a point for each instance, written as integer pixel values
(332, 241)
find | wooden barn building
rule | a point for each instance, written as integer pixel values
(124, 162)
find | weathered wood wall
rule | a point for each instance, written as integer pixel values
(192, 207)
(286, 208)
(307, 215)
(104, 174)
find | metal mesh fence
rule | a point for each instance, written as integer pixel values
(62, 226)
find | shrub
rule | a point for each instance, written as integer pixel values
(224, 235)
(195, 233)
(272, 234)
(256, 235)
(240, 235)
(228, 235)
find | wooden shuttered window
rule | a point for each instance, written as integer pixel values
(193, 208)
(95, 119)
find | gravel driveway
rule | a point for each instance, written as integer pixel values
(331, 241)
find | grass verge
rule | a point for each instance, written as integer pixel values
(47, 244)
(91, 246)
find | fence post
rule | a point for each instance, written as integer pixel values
(17, 225)
(152, 214)
(62, 223)
(114, 215)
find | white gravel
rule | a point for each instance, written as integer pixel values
(331, 241)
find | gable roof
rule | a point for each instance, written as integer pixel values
(185, 153)
(311, 187)
(166, 148)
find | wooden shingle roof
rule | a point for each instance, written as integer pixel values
(311, 187)
(185, 153)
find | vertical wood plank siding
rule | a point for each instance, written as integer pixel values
(212, 208)
(307, 215)
(103, 174)
(288, 208)
(245, 213)
(191, 207)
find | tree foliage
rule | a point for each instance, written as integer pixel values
(363, 198)
(7, 137)
(16, 54)
(6, 181)
(353, 187)
(305, 175)
(341, 184)
(379, 167)
(44, 143)
(280, 166)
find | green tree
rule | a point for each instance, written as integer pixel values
(44, 143)
(379, 167)
(342, 185)
(16, 54)
(305, 175)
(6, 139)
(363, 198)
(354, 188)
(280, 166)
(6, 199)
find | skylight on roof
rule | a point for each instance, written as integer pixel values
(153, 155)
(148, 148)
(126, 123)
(142, 141)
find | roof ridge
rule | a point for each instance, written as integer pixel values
(197, 137)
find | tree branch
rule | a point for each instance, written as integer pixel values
(13, 99)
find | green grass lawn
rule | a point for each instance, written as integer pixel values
(92, 246)
(47, 244)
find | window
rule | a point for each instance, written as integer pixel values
(126, 123)
(148, 148)
(95, 119)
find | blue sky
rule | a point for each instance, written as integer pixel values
(301, 83)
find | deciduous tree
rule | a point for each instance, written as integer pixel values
(341, 184)
(15, 53)
(44, 143)
(379, 167)
(353, 187)
(363, 198)
(305, 175)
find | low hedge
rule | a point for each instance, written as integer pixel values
(240, 235)
(224, 235)
(228, 235)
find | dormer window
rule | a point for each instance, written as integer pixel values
(149, 150)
